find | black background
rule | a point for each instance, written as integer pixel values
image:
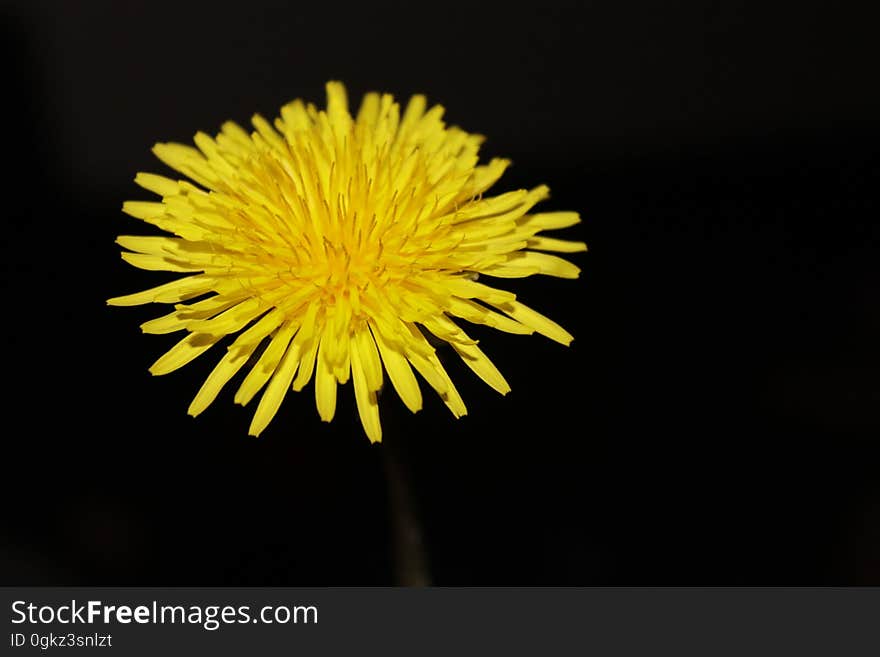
(715, 421)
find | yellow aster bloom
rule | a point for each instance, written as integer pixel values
(330, 245)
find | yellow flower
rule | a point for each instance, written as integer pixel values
(334, 244)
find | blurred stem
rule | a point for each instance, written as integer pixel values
(410, 560)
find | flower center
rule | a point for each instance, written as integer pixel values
(345, 269)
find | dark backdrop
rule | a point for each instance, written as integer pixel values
(715, 421)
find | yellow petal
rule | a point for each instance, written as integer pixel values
(451, 397)
(504, 214)
(188, 161)
(432, 370)
(295, 118)
(368, 407)
(228, 366)
(271, 400)
(263, 327)
(337, 107)
(493, 205)
(192, 346)
(266, 131)
(369, 356)
(307, 366)
(179, 290)
(484, 368)
(183, 315)
(468, 289)
(400, 373)
(264, 368)
(474, 312)
(159, 184)
(215, 158)
(325, 386)
(144, 209)
(235, 133)
(152, 245)
(550, 220)
(308, 341)
(369, 110)
(561, 246)
(414, 112)
(543, 325)
(166, 324)
(232, 320)
(485, 176)
(158, 263)
(527, 263)
(446, 329)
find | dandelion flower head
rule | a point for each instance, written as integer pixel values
(330, 246)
